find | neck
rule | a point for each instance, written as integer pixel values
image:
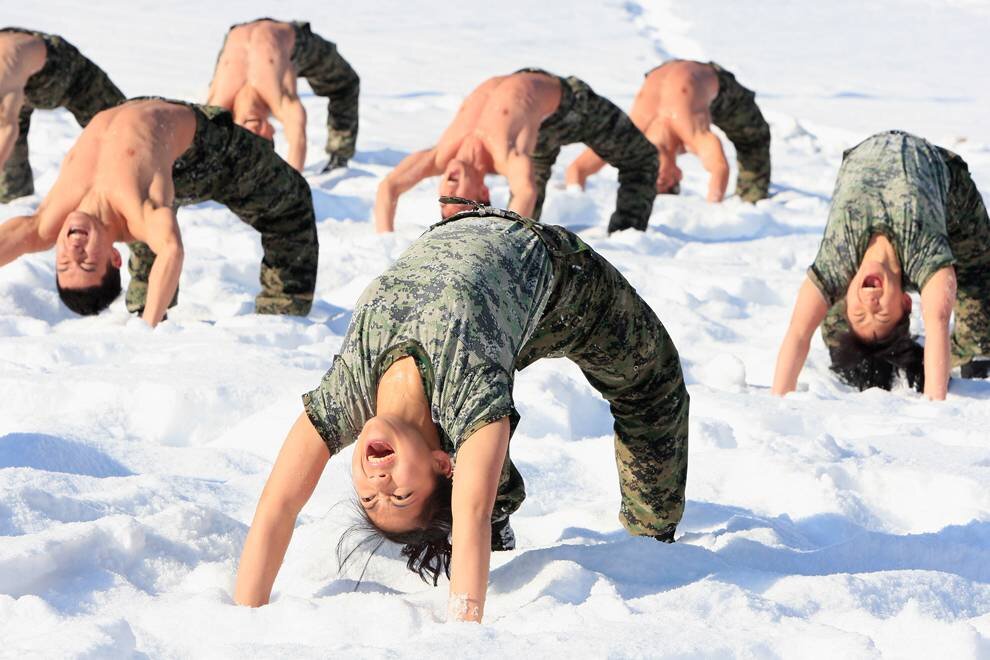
(880, 249)
(400, 394)
(474, 151)
(95, 205)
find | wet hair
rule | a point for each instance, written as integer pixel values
(92, 300)
(427, 548)
(877, 364)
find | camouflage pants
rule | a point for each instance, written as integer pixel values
(318, 61)
(67, 80)
(968, 227)
(234, 167)
(734, 111)
(596, 319)
(585, 117)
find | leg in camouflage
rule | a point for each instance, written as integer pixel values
(318, 61)
(232, 166)
(968, 227)
(597, 319)
(16, 179)
(586, 117)
(734, 111)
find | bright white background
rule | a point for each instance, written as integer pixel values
(830, 523)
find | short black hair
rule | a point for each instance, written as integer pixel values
(427, 548)
(92, 300)
(876, 364)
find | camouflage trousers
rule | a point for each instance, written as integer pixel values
(588, 118)
(67, 80)
(968, 227)
(734, 110)
(232, 166)
(596, 319)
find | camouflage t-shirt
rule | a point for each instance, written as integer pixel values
(462, 301)
(893, 184)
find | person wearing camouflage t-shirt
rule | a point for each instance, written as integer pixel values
(122, 181)
(42, 71)
(905, 215)
(478, 297)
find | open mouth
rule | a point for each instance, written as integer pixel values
(872, 282)
(78, 230)
(379, 452)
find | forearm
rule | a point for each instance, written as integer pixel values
(471, 541)
(18, 236)
(162, 283)
(717, 183)
(937, 359)
(264, 550)
(585, 165)
(523, 201)
(297, 150)
(386, 202)
(790, 361)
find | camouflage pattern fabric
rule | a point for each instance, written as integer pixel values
(67, 80)
(485, 293)
(585, 117)
(329, 74)
(923, 198)
(232, 166)
(734, 110)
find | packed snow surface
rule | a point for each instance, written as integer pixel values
(829, 523)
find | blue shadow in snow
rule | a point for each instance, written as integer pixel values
(54, 454)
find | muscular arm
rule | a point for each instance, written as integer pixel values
(21, 235)
(414, 168)
(163, 237)
(522, 183)
(809, 311)
(937, 300)
(292, 114)
(709, 150)
(479, 465)
(290, 485)
(10, 108)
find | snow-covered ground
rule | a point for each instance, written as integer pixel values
(830, 523)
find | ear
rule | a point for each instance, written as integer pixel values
(442, 463)
(906, 302)
(115, 259)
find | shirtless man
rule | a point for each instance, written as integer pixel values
(515, 126)
(675, 107)
(129, 170)
(39, 70)
(256, 75)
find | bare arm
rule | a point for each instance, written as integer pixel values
(479, 465)
(809, 311)
(937, 300)
(709, 149)
(290, 485)
(414, 168)
(10, 108)
(165, 241)
(585, 165)
(522, 183)
(292, 114)
(21, 235)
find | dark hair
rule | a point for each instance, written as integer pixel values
(92, 299)
(426, 549)
(876, 364)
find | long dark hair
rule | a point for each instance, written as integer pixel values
(427, 548)
(875, 364)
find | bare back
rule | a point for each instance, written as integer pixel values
(671, 107)
(504, 113)
(121, 162)
(256, 59)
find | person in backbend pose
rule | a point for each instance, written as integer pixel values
(675, 107)
(39, 70)
(424, 378)
(905, 214)
(515, 125)
(130, 168)
(256, 75)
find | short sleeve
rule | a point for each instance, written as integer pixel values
(483, 397)
(336, 407)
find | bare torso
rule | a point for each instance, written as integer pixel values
(121, 163)
(501, 116)
(671, 107)
(255, 64)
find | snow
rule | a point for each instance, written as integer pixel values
(830, 523)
